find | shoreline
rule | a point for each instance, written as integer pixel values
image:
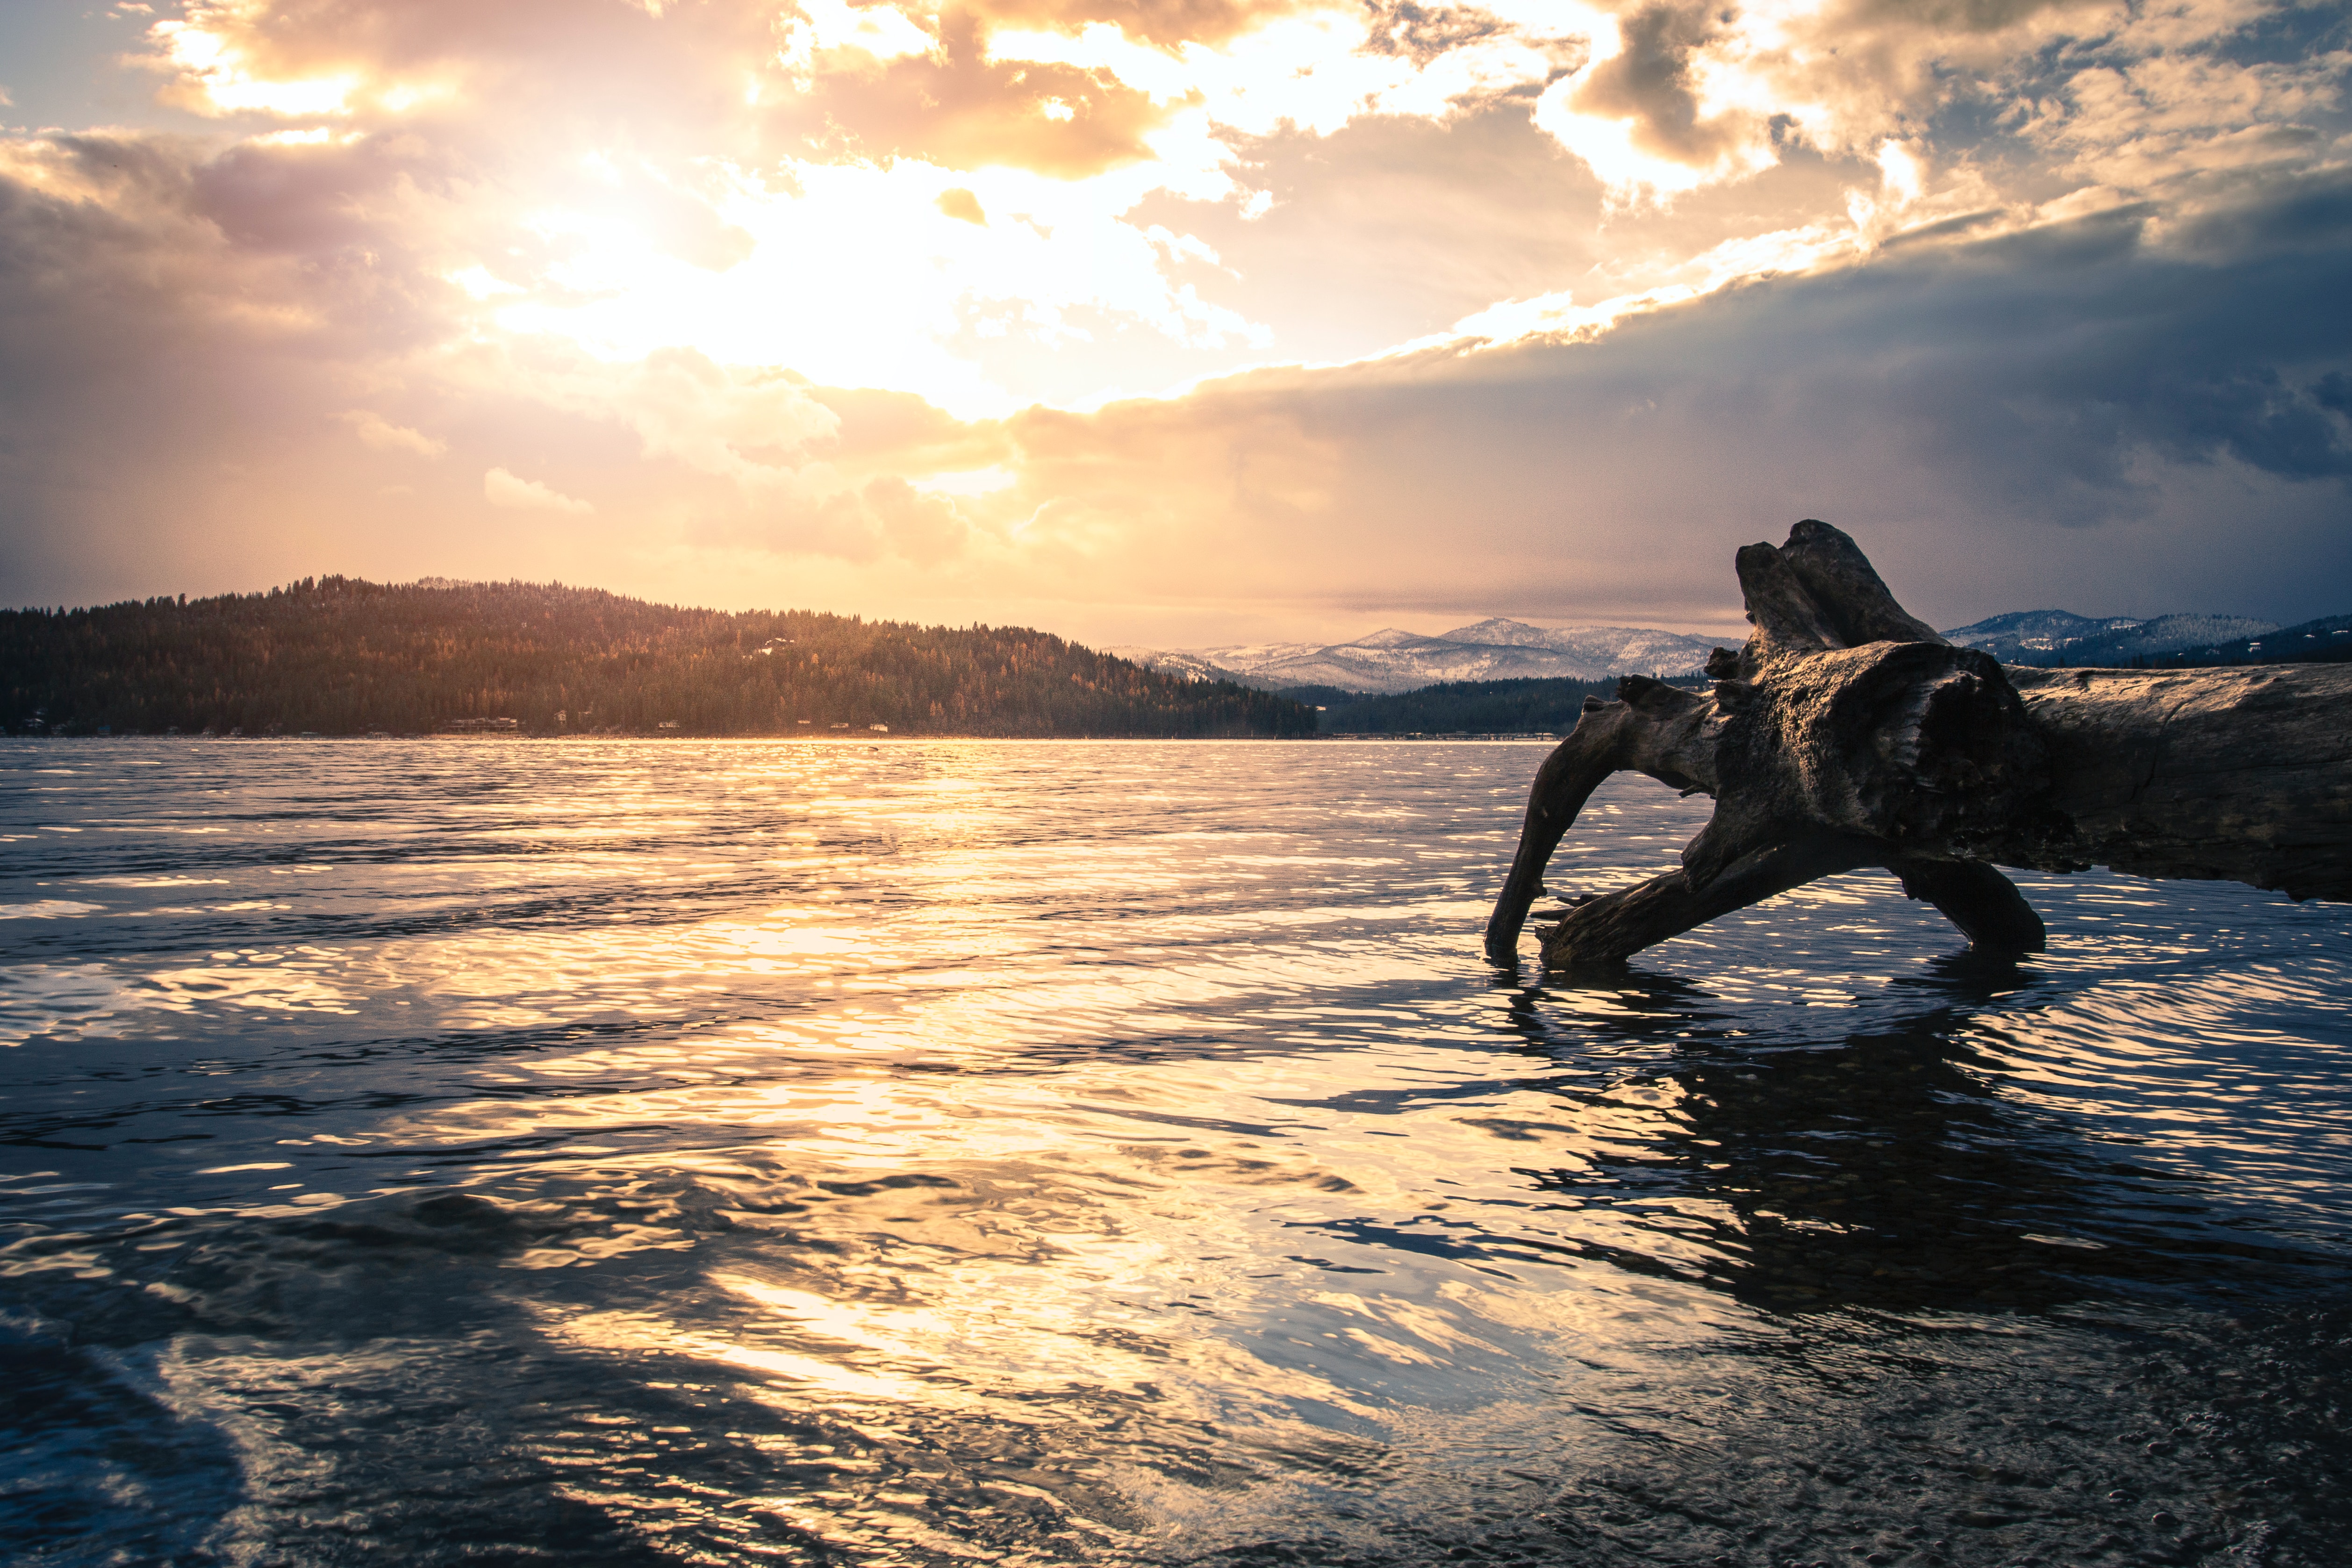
(1545, 737)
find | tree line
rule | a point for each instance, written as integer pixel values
(338, 655)
(1538, 706)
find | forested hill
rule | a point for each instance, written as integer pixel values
(339, 656)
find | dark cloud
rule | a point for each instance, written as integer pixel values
(1650, 81)
(2078, 415)
(1955, 16)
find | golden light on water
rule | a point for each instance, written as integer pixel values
(1114, 1152)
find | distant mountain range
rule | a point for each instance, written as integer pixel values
(1390, 661)
(2056, 637)
(340, 656)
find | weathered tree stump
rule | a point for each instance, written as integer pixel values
(1846, 734)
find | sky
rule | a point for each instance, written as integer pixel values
(1178, 322)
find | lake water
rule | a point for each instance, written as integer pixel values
(635, 1152)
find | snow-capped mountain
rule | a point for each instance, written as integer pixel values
(1610, 649)
(2033, 631)
(1173, 661)
(1392, 660)
(2050, 636)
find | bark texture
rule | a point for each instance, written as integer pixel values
(1846, 733)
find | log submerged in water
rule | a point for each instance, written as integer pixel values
(1846, 733)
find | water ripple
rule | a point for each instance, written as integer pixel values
(919, 1152)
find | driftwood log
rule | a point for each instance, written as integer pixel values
(1846, 734)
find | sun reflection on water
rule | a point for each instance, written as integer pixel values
(1047, 1152)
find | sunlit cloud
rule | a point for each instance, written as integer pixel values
(502, 488)
(825, 31)
(838, 266)
(379, 433)
(218, 77)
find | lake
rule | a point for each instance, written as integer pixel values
(606, 1153)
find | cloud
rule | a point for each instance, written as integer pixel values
(381, 434)
(745, 423)
(1636, 111)
(502, 488)
(2058, 416)
(2047, 411)
(920, 528)
(1291, 311)
(819, 155)
(1677, 97)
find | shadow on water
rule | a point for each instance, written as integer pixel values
(1995, 1337)
(1886, 1169)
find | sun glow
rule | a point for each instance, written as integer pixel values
(224, 82)
(896, 304)
(961, 284)
(897, 272)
